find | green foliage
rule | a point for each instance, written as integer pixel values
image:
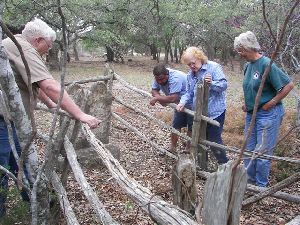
(139, 25)
(283, 170)
(128, 207)
(18, 212)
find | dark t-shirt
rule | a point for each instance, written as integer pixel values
(275, 81)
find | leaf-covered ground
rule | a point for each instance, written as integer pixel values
(143, 163)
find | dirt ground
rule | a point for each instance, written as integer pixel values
(143, 163)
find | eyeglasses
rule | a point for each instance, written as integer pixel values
(48, 43)
(240, 50)
(191, 64)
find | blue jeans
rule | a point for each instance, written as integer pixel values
(263, 139)
(8, 161)
(214, 134)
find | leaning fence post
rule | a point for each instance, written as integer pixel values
(199, 126)
(298, 119)
(222, 203)
(184, 183)
(202, 154)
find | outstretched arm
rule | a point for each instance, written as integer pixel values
(51, 89)
(45, 99)
(163, 100)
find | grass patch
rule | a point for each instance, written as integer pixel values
(18, 211)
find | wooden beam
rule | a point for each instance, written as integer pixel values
(285, 183)
(141, 135)
(63, 200)
(256, 189)
(295, 221)
(160, 211)
(92, 197)
(172, 105)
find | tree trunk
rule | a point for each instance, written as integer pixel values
(76, 56)
(171, 53)
(52, 57)
(153, 50)
(109, 54)
(176, 51)
(166, 58)
(181, 49)
(16, 109)
(225, 56)
(210, 51)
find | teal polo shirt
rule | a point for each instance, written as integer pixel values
(275, 81)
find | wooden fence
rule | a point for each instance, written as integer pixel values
(188, 166)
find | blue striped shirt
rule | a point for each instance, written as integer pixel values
(217, 98)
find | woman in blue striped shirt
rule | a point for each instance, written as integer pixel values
(211, 72)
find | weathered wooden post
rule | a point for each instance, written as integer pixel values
(298, 119)
(202, 154)
(199, 126)
(223, 195)
(184, 183)
(98, 103)
(184, 173)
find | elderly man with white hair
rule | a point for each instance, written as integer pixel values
(36, 40)
(270, 109)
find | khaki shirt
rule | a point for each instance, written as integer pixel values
(38, 69)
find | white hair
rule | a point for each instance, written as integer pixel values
(38, 28)
(247, 40)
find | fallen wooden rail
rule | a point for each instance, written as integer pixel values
(63, 200)
(160, 211)
(256, 189)
(84, 81)
(282, 184)
(295, 221)
(141, 135)
(154, 119)
(92, 197)
(249, 153)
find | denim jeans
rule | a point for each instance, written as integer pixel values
(263, 139)
(213, 133)
(182, 119)
(8, 161)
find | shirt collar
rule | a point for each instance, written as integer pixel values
(203, 68)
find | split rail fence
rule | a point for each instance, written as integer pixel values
(224, 189)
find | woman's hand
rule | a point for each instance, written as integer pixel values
(180, 107)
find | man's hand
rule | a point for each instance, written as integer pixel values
(153, 101)
(92, 121)
(208, 79)
(180, 107)
(163, 104)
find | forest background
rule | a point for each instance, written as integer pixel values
(135, 35)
